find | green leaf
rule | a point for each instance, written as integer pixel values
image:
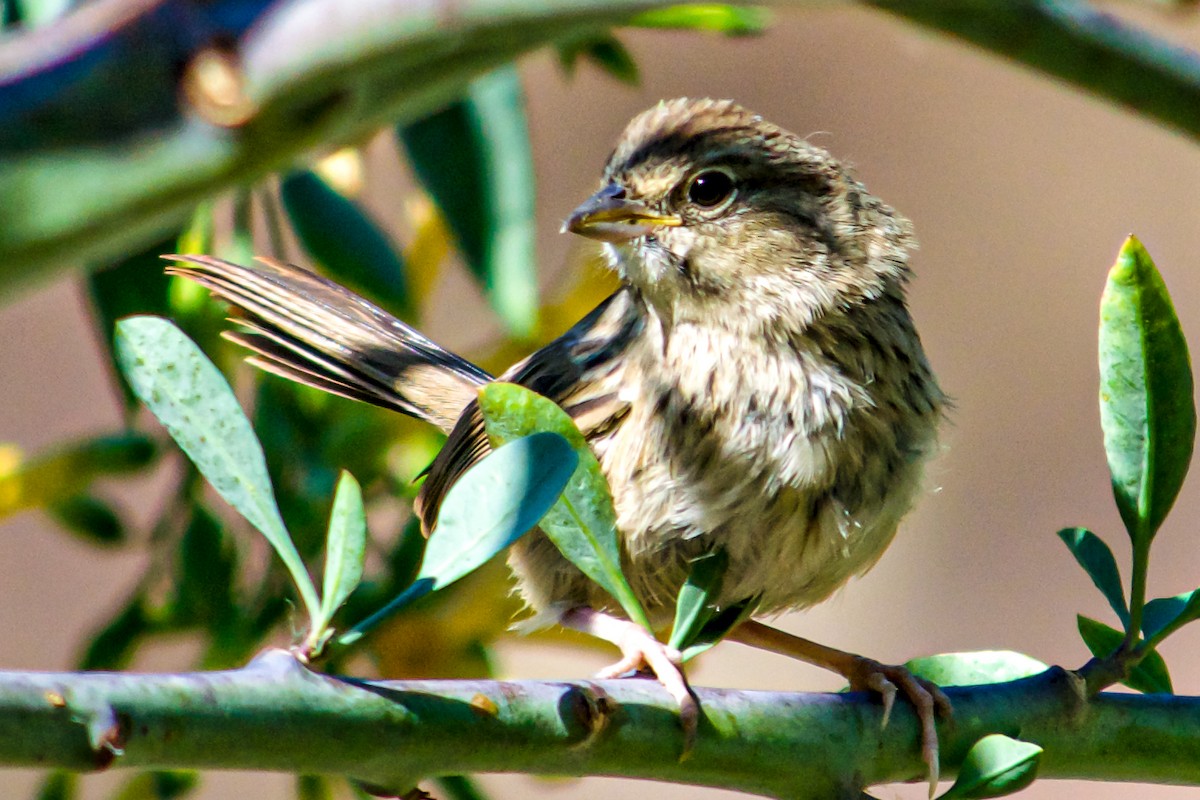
(974, 669)
(606, 52)
(314, 787)
(158, 785)
(192, 400)
(70, 468)
(1149, 676)
(205, 573)
(59, 785)
(1146, 405)
(696, 603)
(715, 17)
(350, 245)
(474, 159)
(89, 518)
(995, 766)
(720, 624)
(112, 648)
(492, 505)
(1170, 612)
(583, 524)
(346, 549)
(1094, 555)
(134, 285)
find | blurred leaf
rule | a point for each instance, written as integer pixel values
(90, 518)
(974, 669)
(69, 469)
(59, 785)
(492, 505)
(606, 52)
(313, 787)
(239, 247)
(1094, 555)
(197, 237)
(715, 17)
(192, 400)
(1170, 612)
(715, 629)
(406, 554)
(460, 787)
(158, 785)
(995, 766)
(340, 236)
(1146, 405)
(1149, 676)
(113, 647)
(346, 550)
(206, 572)
(696, 602)
(36, 13)
(430, 246)
(583, 523)
(134, 285)
(474, 159)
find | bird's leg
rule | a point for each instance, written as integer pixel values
(640, 652)
(864, 674)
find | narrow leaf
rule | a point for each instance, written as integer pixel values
(344, 239)
(716, 628)
(1146, 405)
(994, 767)
(68, 470)
(696, 603)
(974, 669)
(583, 524)
(606, 52)
(346, 548)
(1097, 560)
(90, 518)
(1149, 676)
(716, 17)
(1170, 612)
(491, 506)
(192, 400)
(474, 159)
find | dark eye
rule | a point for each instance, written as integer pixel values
(711, 188)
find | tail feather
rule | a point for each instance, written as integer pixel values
(310, 330)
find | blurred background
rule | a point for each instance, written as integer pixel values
(1021, 190)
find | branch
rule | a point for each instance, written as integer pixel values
(117, 120)
(276, 715)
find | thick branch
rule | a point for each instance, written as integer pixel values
(117, 120)
(275, 715)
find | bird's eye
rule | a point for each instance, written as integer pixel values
(711, 188)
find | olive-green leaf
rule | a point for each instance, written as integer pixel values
(606, 52)
(474, 159)
(345, 549)
(1149, 676)
(1170, 612)
(583, 523)
(1097, 560)
(718, 626)
(343, 239)
(1146, 404)
(714, 17)
(995, 766)
(696, 603)
(975, 668)
(90, 518)
(492, 505)
(193, 401)
(69, 469)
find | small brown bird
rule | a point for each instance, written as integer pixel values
(756, 383)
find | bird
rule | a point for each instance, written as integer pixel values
(755, 383)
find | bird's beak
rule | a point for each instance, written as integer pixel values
(610, 217)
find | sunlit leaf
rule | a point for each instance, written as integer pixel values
(1097, 560)
(583, 524)
(346, 548)
(716, 17)
(492, 505)
(973, 669)
(1149, 676)
(1146, 405)
(994, 767)
(343, 238)
(474, 159)
(192, 400)
(717, 626)
(1166, 612)
(696, 603)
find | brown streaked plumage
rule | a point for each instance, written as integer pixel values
(755, 384)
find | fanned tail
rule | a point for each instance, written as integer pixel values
(310, 330)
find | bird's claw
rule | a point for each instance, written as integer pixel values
(927, 698)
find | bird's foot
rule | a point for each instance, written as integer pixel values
(641, 653)
(930, 702)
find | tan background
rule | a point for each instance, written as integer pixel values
(1021, 190)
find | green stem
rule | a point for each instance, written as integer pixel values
(1137, 589)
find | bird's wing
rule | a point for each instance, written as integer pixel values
(580, 371)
